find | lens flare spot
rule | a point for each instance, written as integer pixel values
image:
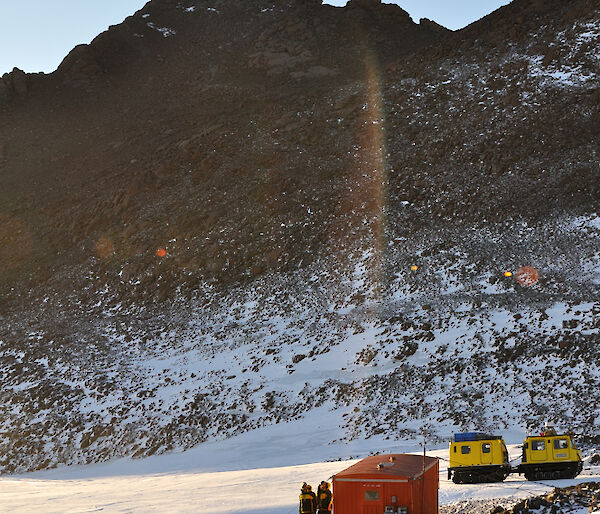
(161, 252)
(414, 268)
(508, 274)
(104, 248)
(527, 275)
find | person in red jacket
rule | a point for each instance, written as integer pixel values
(324, 497)
(308, 500)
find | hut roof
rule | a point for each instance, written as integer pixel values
(397, 465)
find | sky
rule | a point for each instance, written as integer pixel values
(36, 35)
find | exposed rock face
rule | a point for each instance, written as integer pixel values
(430, 24)
(80, 67)
(283, 205)
(13, 84)
(4, 91)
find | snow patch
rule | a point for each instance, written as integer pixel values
(165, 31)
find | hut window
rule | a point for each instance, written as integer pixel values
(372, 495)
(465, 449)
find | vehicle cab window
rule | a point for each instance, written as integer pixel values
(538, 445)
(465, 449)
(561, 444)
(486, 447)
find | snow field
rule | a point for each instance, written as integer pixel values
(264, 490)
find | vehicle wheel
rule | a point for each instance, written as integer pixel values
(539, 475)
(556, 475)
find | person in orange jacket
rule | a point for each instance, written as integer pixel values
(324, 498)
(308, 500)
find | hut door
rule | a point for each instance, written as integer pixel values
(372, 509)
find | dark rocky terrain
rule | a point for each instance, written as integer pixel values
(562, 499)
(582, 498)
(294, 160)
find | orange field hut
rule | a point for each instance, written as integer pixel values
(386, 484)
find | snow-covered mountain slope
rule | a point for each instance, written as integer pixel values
(332, 250)
(454, 344)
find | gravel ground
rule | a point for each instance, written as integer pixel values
(476, 506)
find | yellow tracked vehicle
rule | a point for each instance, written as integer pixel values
(550, 456)
(476, 458)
